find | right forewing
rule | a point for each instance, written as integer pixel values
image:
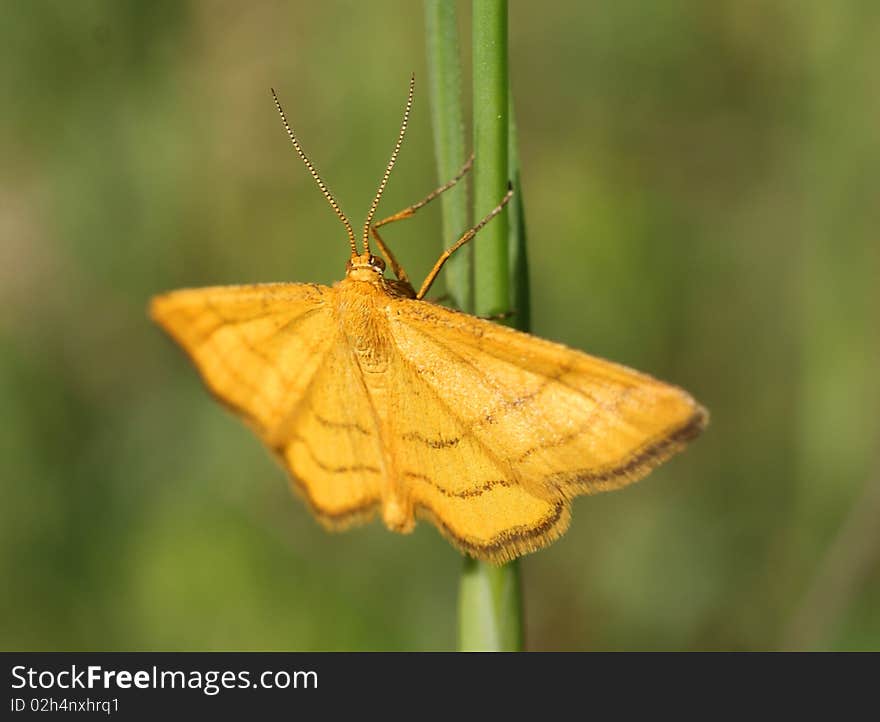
(555, 420)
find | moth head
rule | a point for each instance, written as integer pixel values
(365, 267)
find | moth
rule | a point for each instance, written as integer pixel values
(377, 401)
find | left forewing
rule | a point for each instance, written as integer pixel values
(256, 347)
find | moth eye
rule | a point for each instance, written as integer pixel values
(377, 262)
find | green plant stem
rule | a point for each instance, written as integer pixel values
(519, 263)
(490, 608)
(490, 600)
(490, 83)
(490, 597)
(444, 78)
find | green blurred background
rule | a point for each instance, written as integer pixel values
(701, 186)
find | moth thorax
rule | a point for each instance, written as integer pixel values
(367, 332)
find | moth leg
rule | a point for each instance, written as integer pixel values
(431, 277)
(410, 211)
(399, 271)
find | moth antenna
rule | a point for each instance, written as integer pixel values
(329, 196)
(375, 204)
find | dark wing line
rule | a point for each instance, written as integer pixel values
(438, 443)
(331, 424)
(640, 461)
(466, 494)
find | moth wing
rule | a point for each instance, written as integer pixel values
(497, 430)
(272, 353)
(331, 444)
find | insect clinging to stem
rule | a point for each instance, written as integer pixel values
(376, 400)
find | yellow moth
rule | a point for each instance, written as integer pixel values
(376, 400)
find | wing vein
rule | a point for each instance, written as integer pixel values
(467, 429)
